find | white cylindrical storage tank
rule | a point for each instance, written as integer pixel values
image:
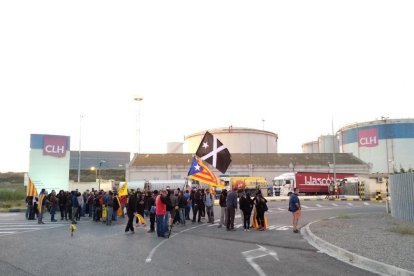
(327, 143)
(311, 147)
(237, 140)
(175, 147)
(388, 144)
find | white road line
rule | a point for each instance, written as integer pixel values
(318, 205)
(262, 251)
(7, 232)
(211, 225)
(281, 209)
(366, 203)
(27, 228)
(271, 227)
(334, 204)
(149, 258)
(350, 204)
(304, 206)
(238, 225)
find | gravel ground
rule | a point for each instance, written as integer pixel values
(369, 235)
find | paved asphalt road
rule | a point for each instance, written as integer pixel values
(195, 249)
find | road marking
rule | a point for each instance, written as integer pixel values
(238, 225)
(271, 227)
(260, 252)
(284, 228)
(215, 224)
(334, 204)
(318, 205)
(149, 258)
(281, 209)
(304, 206)
(350, 204)
(366, 203)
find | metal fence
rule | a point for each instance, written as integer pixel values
(402, 196)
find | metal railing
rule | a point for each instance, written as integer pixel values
(402, 196)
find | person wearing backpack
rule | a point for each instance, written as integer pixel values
(209, 203)
(294, 207)
(109, 204)
(261, 208)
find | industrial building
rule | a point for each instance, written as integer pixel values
(147, 167)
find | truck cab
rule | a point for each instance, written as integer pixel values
(283, 184)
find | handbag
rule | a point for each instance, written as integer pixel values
(152, 211)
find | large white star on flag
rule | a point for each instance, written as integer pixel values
(205, 145)
(197, 167)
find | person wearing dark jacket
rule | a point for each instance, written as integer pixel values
(62, 205)
(260, 209)
(198, 201)
(231, 202)
(223, 208)
(131, 211)
(246, 205)
(150, 203)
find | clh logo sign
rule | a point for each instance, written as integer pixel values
(368, 137)
(54, 146)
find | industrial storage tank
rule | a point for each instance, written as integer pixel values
(310, 147)
(386, 144)
(327, 143)
(175, 147)
(237, 140)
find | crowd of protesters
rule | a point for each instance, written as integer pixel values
(164, 208)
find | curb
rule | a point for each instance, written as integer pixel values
(349, 257)
(12, 210)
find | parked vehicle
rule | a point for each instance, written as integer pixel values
(308, 183)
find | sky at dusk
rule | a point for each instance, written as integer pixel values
(290, 67)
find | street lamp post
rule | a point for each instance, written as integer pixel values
(100, 174)
(138, 131)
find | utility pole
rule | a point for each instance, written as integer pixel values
(80, 139)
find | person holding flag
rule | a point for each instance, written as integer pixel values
(41, 206)
(30, 195)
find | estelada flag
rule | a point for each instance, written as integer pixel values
(123, 191)
(31, 188)
(199, 171)
(214, 152)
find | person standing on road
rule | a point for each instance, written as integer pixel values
(223, 208)
(41, 206)
(131, 207)
(246, 205)
(54, 203)
(208, 201)
(261, 207)
(160, 212)
(231, 202)
(151, 208)
(294, 207)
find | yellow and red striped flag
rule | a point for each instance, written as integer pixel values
(31, 188)
(199, 171)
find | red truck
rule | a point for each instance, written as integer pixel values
(309, 183)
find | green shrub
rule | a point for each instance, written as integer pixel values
(8, 195)
(403, 229)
